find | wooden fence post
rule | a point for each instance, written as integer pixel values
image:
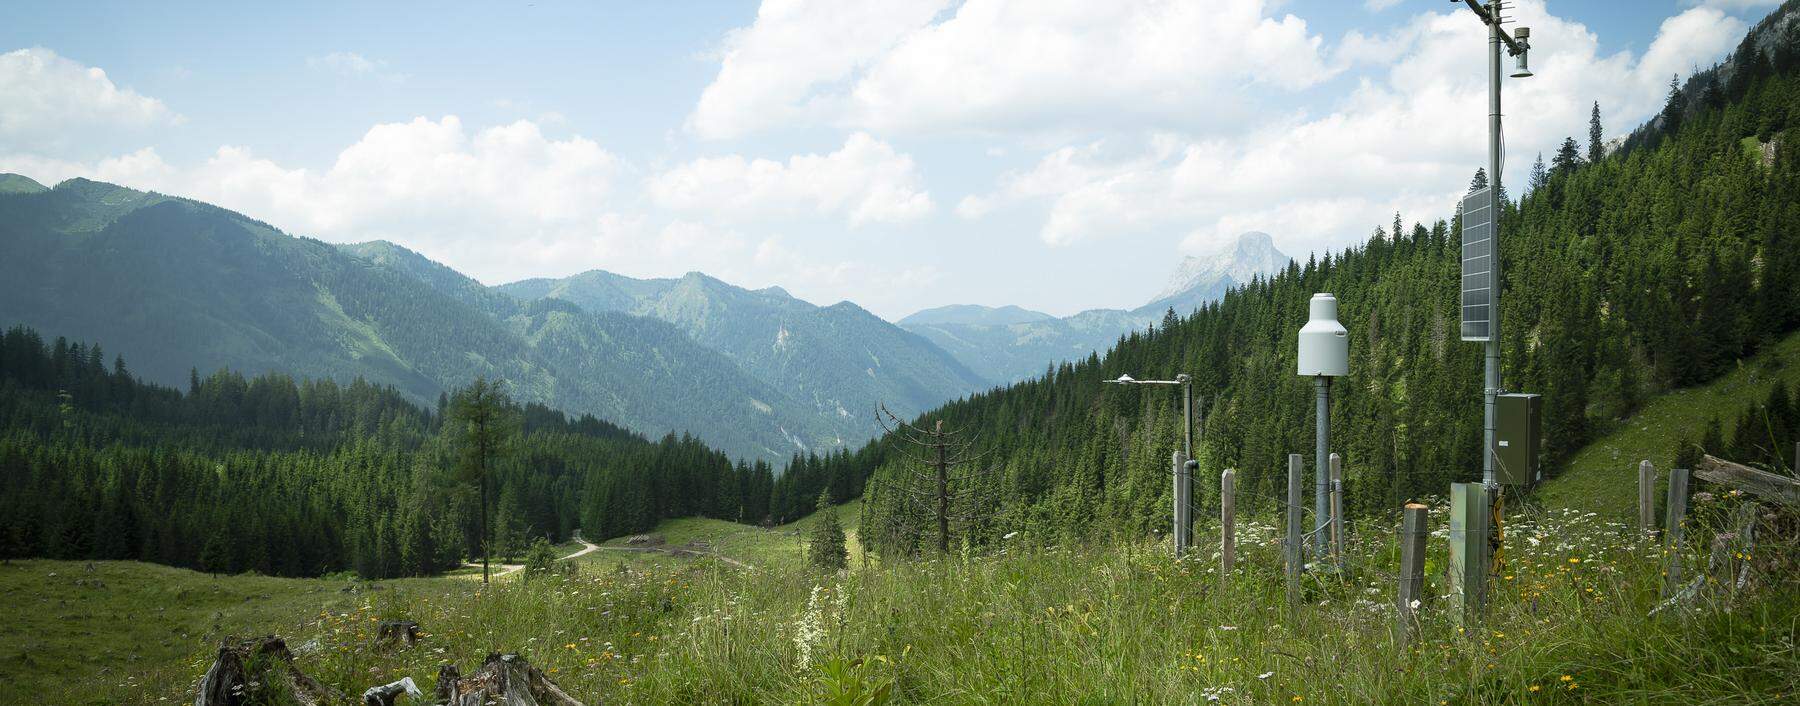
(1293, 530)
(1646, 497)
(1338, 530)
(1674, 529)
(1227, 524)
(1412, 567)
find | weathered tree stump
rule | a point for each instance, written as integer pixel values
(504, 680)
(260, 667)
(387, 694)
(391, 632)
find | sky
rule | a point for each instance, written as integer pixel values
(1060, 155)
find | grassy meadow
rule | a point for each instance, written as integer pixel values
(1569, 623)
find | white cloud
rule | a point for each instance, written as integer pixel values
(1005, 66)
(1379, 5)
(974, 206)
(1393, 144)
(866, 181)
(46, 99)
(352, 64)
(769, 68)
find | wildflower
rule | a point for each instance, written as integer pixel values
(1567, 678)
(1535, 688)
(809, 628)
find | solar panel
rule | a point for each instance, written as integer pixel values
(1478, 265)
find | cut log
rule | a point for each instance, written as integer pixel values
(255, 670)
(1763, 484)
(505, 680)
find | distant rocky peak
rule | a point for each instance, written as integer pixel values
(1249, 255)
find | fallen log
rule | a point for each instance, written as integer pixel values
(257, 670)
(506, 680)
(1763, 484)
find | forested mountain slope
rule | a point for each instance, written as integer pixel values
(839, 360)
(302, 477)
(177, 285)
(1657, 267)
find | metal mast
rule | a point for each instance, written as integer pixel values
(1491, 367)
(1497, 36)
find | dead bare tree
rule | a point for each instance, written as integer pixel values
(943, 475)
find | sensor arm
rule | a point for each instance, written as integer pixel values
(1513, 47)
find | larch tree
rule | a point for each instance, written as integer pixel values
(481, 410)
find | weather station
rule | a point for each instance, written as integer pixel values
(1324, 354)
(1475, 509)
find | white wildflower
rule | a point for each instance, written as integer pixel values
(809, 628)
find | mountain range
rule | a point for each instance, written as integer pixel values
(171, 283)
(839, 360)
(1008, 344)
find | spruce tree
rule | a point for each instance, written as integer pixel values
(1596, 145)
(1673, 107)
(1567, 158)
(826, 547)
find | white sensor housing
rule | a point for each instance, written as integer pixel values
(1324, 344)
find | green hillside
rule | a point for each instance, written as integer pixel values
(1602, 477)
(16, 184)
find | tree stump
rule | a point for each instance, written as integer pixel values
(257, 669)
(391, 632)
(504, 680)
(387, 694)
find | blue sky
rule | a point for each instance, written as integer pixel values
(900, 155)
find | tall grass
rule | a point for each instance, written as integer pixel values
(1569, 620)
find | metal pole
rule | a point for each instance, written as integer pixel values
(1180, 531)
(1321, 477)
(1492, 364)
(1184, 481)
(1187, 415)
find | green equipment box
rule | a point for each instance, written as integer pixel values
(1517, 435)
